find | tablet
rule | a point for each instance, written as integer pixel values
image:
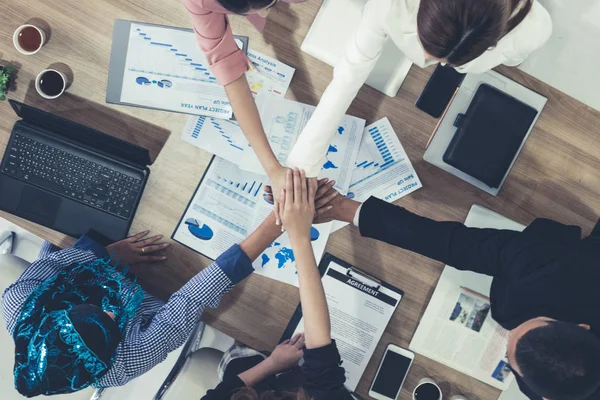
(162, 68)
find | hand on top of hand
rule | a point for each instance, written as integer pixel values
(135, 249)
(287, 354)
(323, 198)
(278, 182)
(298, 205)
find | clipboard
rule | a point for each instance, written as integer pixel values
(367, 287)
(118, 59)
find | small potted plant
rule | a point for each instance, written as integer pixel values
(6, 75)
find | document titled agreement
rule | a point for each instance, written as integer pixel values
(359, 310)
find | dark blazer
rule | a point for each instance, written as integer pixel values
(546, 270)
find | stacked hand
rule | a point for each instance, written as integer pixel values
(324, 198)
(298, 199)
(135, 249)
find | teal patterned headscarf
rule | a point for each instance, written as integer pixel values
(64, 339)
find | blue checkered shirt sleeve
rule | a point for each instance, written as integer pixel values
(147, 343)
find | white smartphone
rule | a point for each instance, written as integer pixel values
(391, 373)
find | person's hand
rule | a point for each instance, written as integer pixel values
(135, 249)
(287, 354)
(298, 204)
(325, 194)
(331, 206)
(278, 183)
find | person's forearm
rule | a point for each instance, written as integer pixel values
(258, 373)
(246, 114)
(261, 238)
(317, 329)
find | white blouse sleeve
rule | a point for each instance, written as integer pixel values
(349, 74)
(535, 32)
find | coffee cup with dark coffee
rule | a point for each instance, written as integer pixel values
(50, 83)
(29, 39)
(427, 389)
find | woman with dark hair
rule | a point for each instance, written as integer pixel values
(249, 375)
(229, 65)
(472, 36)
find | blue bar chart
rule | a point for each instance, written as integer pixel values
(378, 153)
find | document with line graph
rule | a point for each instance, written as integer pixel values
(229, 204)
(162, 67)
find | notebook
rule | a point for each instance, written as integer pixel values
(360, 308)
(489, 135)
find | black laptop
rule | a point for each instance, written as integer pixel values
(70, 177)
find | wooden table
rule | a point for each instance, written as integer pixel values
(556, 175)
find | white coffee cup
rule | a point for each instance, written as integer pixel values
(39, 78)
(16, 39)
(426, 382)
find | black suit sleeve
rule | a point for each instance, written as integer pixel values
(488, 251)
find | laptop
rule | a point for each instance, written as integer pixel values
(70, 177)
(333, 27)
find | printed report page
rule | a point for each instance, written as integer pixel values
(359, 314)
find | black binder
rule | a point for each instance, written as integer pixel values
(489, 135)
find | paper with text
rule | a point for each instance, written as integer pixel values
(224, 138)
(382, 168)
(165, 69)
(359, 315)
(227, 207)
(284, 120)
(457, 328)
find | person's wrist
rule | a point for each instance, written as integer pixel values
(272, 167)
(347, 210)
(271, 366)
(299, 239)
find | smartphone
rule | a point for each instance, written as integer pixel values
(439, 90)
(391, 373)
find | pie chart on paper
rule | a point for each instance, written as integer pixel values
(203, 232)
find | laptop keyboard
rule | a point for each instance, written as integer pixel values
(71, 176)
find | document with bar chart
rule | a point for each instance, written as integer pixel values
(224, 138)
(229, 204)
(284, 120)
(166, 69)
(382, 168)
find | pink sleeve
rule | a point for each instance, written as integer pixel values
(215, 38)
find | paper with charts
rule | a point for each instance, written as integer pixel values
(283, 121)
(382, 168)
(229, 204)
(166, 69)
(224, 138)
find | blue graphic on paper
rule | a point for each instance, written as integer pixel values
(332, 149)
(265, 259)
(341, 130)
(200, 72)
(314, 233)
(142, 80)
(203, 232)
(283, 256)
(329, 165)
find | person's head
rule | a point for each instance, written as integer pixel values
(68, 351)
(251, 394)
(558, 360)
(459, 31)
(67, 334)
(246, 7)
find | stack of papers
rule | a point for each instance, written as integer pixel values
(229, 203)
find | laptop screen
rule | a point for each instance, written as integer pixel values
(83, 135)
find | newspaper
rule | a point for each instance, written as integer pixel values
(457, 328)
